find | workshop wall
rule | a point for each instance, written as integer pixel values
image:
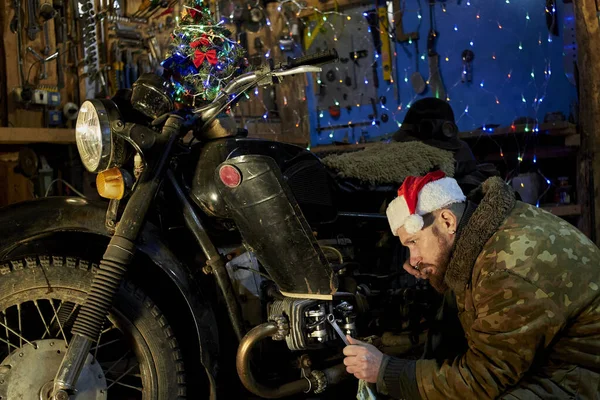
(518, 68)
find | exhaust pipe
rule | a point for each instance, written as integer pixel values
(317, 381)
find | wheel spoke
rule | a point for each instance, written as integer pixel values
(8, 344)
(105, 344)
(42, 317)
(7, 337)
(53, 318)
(116, 362)
(16, 333)
(58, 320)
(123, 384)
(122, 375)
(108, 330)
(20, 325)
(97, 347)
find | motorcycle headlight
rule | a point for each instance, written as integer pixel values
(92, 133)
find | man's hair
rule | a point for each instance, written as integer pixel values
(458, 209)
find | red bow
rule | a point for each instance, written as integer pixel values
(192, 12)
(203, 41)
(199, 56)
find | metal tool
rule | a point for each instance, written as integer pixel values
(33, 27)
(47, 12)
(15, 27)
(435, 77)
(337, 329)
(60, 35)
(43, 74)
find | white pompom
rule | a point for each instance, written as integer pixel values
(413, 224)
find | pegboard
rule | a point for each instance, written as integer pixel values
(349, 82)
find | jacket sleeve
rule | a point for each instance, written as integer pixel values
(513, 320)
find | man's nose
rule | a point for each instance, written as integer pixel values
(415, 259)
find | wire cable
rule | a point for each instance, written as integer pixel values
(67, 184)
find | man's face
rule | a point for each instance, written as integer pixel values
(430, 249)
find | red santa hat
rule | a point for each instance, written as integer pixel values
(420, 195)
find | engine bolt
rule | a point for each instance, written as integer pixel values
(61, 395)
(20, 354)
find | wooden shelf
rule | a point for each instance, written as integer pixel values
(562, 128)
(567, 210)
(36, 135)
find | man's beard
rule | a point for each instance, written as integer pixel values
(437, 280)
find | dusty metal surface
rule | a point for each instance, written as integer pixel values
(27, 373)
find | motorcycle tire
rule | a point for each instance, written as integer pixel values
(135, 329)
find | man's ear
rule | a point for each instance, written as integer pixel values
(448, 221)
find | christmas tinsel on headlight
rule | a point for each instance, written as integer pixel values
(202, 58)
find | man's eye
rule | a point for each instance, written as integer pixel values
(412, 242)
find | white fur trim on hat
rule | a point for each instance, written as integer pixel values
(413, 224)
(439, 194)
(397, 212)
(433, 196)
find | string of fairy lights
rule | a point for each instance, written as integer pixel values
(486, 90)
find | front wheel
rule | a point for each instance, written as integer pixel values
(136, 357)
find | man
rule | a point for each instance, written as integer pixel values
(527, 287)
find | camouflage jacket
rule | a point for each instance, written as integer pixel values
(527, 289)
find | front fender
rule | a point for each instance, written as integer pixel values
(31, 220)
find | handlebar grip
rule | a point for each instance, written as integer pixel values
(322, 57)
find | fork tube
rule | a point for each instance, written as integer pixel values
(214, 259)
(113, 266)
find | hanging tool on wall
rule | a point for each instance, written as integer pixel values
(551, 17)
(467, 67)
(373, 21)
(15, 27)
(47, 13)
(33, 27)
(384, 37)
(435, 77)
(416, 79)
(60, 36)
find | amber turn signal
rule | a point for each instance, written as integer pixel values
(111, 184)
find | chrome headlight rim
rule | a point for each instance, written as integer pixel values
(106, 111)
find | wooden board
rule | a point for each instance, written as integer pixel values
(36, 135)
(15, 187)
(288, 107)
(562, 128)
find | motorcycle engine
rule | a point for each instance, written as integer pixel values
(307, 319)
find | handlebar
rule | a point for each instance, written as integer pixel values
(264, 76)
(320, 58)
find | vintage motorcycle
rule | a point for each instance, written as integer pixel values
(117, 301)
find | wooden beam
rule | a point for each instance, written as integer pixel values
(588, 62)
(561, 128)
(36, 135)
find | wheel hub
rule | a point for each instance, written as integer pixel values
(28, 373)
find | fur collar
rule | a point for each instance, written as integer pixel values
(496, 200)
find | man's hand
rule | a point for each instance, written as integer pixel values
(363, 360)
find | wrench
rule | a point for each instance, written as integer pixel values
(33, 28)
(336, 328)
(47, 13)
(43, 74)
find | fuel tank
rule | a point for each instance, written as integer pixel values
(308, 179)
(273, 226)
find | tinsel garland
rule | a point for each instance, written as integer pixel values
(202, 57)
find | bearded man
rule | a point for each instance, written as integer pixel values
(527, 290)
